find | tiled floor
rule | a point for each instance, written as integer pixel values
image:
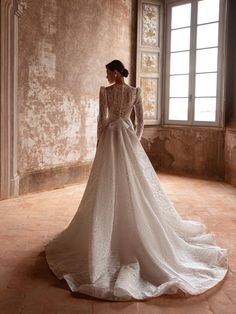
(27, 223)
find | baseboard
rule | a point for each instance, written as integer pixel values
(54, 178)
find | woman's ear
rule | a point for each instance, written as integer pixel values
(116, 73)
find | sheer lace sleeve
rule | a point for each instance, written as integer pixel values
(102, 115)
(138, 108)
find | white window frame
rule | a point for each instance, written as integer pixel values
(220, 97)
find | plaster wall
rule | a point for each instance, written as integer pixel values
(230, 156)
(63, 49)
(186, 150)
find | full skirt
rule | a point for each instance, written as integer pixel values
(126, 240)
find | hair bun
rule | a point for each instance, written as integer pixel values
(125, 72)
(119, 66)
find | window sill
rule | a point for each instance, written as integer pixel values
(178, 126)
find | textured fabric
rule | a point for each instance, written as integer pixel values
(126, 240)
(118, 101)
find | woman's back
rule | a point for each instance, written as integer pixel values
(117, 101)
(120, 100)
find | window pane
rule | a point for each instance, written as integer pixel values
(178, 109)
(206, 84)
(180, 39)
(207, 60)
(208, 11)
(207, 35)
(179, 62)
(205, 109)
(184, 11)
(179, 86)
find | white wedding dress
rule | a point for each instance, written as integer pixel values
(126, 240)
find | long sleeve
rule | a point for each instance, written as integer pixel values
(102, 115)
(138, 108)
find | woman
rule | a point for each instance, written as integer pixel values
(126, 240)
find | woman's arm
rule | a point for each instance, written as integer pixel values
(102, 115)
(138, 108)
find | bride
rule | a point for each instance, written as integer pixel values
(126, 240)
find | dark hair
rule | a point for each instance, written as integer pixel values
(119, 66)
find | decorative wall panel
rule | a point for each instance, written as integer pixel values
(148, 70)
(150, 24)
(150, 62)
(149, 87)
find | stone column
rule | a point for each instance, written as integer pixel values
(10, 11)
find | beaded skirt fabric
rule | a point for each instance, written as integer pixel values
(126, 240)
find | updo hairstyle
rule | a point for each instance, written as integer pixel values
(119, 66)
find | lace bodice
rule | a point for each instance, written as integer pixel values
(117, 101)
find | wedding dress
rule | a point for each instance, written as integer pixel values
(126, 240)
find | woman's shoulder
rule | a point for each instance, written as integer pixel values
(110, 87)
(134, 89)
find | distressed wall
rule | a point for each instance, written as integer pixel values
(230, 156)
(186, 150)
(63, 49)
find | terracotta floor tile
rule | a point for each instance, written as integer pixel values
(116, 307)
(11, 301)
(221, 303)
(175, 307)
(27, 223)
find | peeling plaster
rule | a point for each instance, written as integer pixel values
(52, 136)
(48, 16)
(55, 128)
(230, 148)
(187, 150)
(63, 49)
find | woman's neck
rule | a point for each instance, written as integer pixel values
(120, 81)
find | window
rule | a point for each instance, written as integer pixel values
(193, 75)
